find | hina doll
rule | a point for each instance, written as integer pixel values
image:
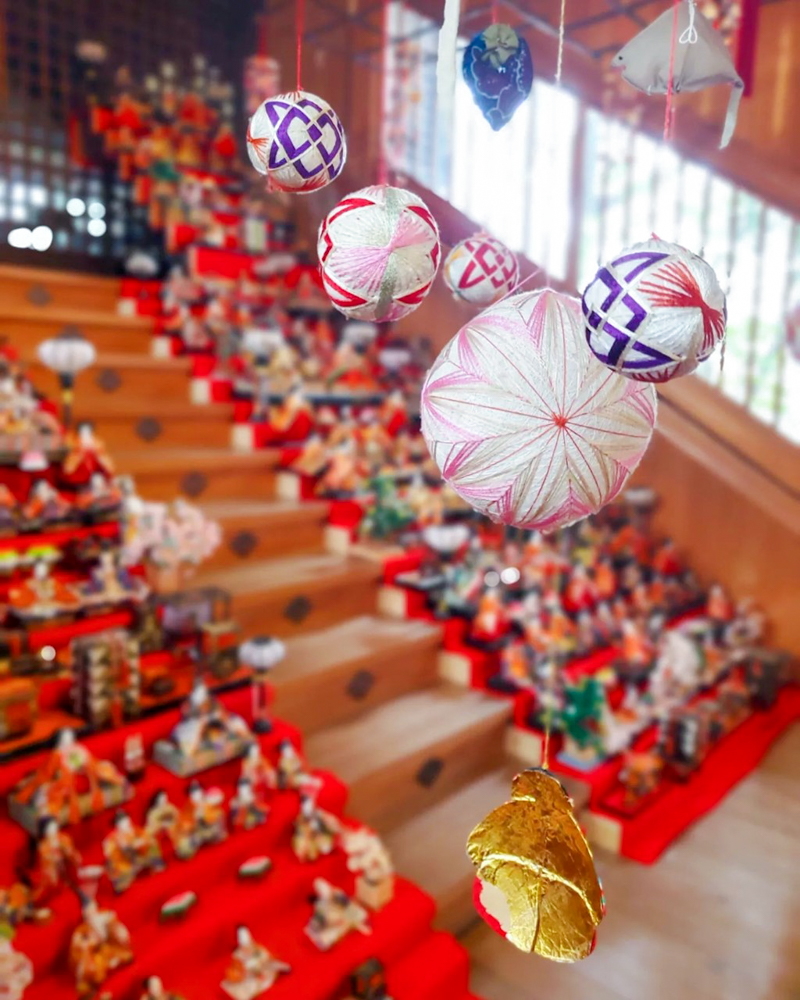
(86, 455)
(258, 771)
(45, 508)
(393, 413)
(294, 417)
(100, 501)
(312, 459)
(162, 820)
(314, 831)
(665, 559)
(605, 580)
(99, 945)
(638, 653)
(291, 770)
(490, 620)
(9, 512)
(368, 858)
(719, 608)
(16, 970)
(57, 861)
(42, 596)
(334, 915)
(128, 851)
(208, 807)
(18, 906)
(252, 969)
(153, 989)
(247, 810)
(580, 593)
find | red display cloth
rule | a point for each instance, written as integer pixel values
(646, 835)
(19, 482)
(221, 262)
(345, 514)
(405, 563)
(437, 969)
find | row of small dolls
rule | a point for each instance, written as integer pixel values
(101, 944)
(49, 509)
(44, 597)
(689, 732)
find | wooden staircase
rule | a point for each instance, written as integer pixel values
(424, 761)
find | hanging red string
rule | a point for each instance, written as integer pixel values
(388, 97)
(495, 12)
(300, 11)
(671, 77)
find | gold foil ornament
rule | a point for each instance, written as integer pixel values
(536, 880)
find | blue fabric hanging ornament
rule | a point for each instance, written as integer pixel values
(498, 69)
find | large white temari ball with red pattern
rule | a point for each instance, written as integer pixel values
(524, 423)
(480, 270)
(297, 141)
(378, 253)
(654, 312)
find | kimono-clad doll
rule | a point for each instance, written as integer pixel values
(291, 770)
(129, 851)
(247, 809)
(99, 944)
(315, 831)
(162, 820)
(57, 860)
(252, 969)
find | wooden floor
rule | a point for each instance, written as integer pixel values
(718, 918)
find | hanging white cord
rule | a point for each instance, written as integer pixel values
(561, 27)
(689, 36)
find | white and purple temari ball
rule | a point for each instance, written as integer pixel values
(524, 423)
(378, 253)
(297, 141)
(654, 312)
(480, 270)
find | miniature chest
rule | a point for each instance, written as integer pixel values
(17, 707)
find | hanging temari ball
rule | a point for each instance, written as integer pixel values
(378, 253)
(480, 270)
(524, 423)
(498, 69)
(297, 141)
(654, 312)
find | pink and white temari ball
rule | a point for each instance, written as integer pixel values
(297, 141)
(480, 270)
(378, 253)
(524, 423)
(654, 312)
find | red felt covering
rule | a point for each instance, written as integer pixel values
(437, 969)
(221, 262)
(345, 514)
(221, 390)
(405, 563)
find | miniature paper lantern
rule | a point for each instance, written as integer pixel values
(378, 253)
(654, 312)
(524, 423)
(481, 270)
(297, 141)
(498, 69)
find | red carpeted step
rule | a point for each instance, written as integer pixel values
(212, 866)
(318, 975)
(437, 969)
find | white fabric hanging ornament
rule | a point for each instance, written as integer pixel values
(378, 253)
(524, 423)
(481, 270)
(297, 141)
(654, 312)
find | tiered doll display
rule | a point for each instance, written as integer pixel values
(94, 630)
(600, 632)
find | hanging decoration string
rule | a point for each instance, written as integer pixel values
(300, 13)
(561, 29)
(446, 65)
(387, 89)
(671, 78)
(495, 12)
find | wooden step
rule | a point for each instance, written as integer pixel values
(263, 529)
(46, 290)
(298, 593)
(157, 424)
(26, 328)
(199, 473)
(118, 376)
(410, 753)
(430, 848)
(338, 673)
